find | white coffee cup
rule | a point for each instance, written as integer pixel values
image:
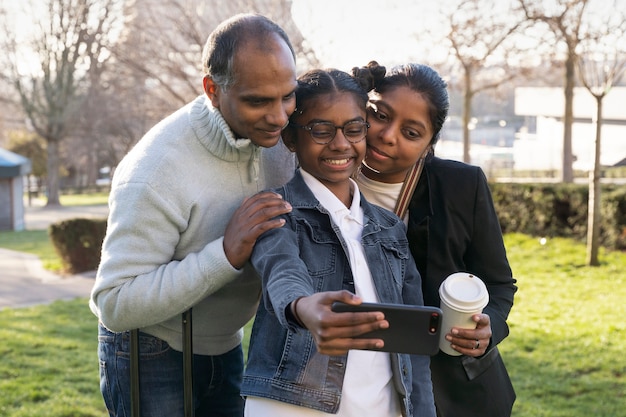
(462, 295)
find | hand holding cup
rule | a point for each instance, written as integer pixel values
(462, 296)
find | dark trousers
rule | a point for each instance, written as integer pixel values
(217, 379)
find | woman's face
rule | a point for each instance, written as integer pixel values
(332, 163)
(400, 131)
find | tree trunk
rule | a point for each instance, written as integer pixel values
(593, 216)
(568, 116)
(52, 186)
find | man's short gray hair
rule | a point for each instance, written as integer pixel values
(219, 51)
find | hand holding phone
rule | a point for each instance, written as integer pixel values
(412, 329)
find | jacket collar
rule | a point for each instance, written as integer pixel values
(301, 197)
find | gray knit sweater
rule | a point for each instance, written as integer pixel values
(170, 201)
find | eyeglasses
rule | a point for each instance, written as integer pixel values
(323, 133)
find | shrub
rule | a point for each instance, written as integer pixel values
(78, 243)
(560, 210)
(613, 215)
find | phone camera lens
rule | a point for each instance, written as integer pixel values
(434, 323)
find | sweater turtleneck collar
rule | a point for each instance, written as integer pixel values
(214, 133)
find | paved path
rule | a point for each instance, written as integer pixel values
(23, 280)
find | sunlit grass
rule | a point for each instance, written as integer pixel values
(91, 199)
(49, 364)
(85, 199)
(568, 333)
(35, 242)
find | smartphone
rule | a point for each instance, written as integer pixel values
(412, 329)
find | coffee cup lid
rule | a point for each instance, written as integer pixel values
(464, 292)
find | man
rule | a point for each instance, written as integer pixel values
(185, 213)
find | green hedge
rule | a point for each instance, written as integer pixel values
(78, 243)
(551, 210)
(542, 210)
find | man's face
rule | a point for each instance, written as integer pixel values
(258, 105)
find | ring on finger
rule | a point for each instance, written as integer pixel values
(477, 345)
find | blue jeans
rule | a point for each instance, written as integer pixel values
(217, 379)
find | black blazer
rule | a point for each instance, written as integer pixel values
(453, 227)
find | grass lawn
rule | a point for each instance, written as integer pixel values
(565, 353)
(49, 364)
(91, 199)
(36, 242)
(84, 199)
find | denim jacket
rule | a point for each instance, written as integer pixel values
(308, 255)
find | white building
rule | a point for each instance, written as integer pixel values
(543, 149)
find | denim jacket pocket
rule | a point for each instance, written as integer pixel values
(318, 248)
(306, 370)
(396, 255)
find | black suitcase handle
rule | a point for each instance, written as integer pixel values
(187, 368)
(135, 409)
(188, 364)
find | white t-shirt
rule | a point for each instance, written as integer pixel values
(382, 194)
(367, 386)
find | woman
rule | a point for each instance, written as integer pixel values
(452, 227)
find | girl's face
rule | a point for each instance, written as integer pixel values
(332, 163)
(400, 131)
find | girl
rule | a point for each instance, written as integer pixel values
(452, 227)
(334, 244)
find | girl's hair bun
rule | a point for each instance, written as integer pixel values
(370, 75)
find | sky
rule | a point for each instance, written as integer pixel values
(348, 33)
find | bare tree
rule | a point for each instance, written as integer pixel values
(478, 32)
(32, 147)
(11, 115)
(565, 19)
(69, 38)
(602, 64)
(165, 38)
(159, 65)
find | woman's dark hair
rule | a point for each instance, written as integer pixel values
(420, 78)
(317, 82)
